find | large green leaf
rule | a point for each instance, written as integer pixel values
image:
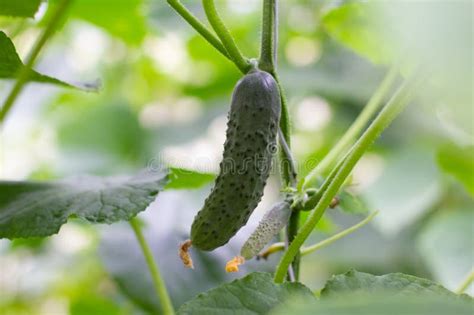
(181, 178)
(32, 209)
(10, 64)
(254, 294)
(391, 294)
(124, 19)
(458, 162)
(22, 8)
(445, 243)
(396, 283)
(376, 304)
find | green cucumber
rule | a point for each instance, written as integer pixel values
(248, 152)
(272, 222)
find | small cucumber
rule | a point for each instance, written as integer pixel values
(272, 222)
(248, 151)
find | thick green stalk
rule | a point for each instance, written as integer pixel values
(158, 282)
(226, 38)
(354, 130)
(285, 127)
(198, 26)
(291, 232)
(268, 62)
(285, 124)
(288, 163)
(269, 36)
(396, 104)
(25, 71)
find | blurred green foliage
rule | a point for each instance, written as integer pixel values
(165, 90)
(24, 8)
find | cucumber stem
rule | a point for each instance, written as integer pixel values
(269, 36)
(292, 231)
(225, 36)
(268, 62)
(289, 159)
(285, 127)
(199, 27)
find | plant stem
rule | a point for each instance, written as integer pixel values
(338, 236)
(466, 283)
(226, 38)
(285, 160)
(268, 62)
(285, 124)
(24, 72)
(269, 36)
(274, 248)
(158, 282)
(395, 105)
(292, 231)
(198, 26)
(354, 130)
(289, 165)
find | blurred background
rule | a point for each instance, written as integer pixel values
(164, 99)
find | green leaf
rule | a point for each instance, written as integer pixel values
(396, 283)
(458, 162)
(124, 19)
(355, 26)
(10, 64)
(181, 178)
(445, 243)
(256, 293)
(22, 8)
(375, 304)
(34, 209)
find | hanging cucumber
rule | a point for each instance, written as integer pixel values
(248, 151)
(272, 222)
